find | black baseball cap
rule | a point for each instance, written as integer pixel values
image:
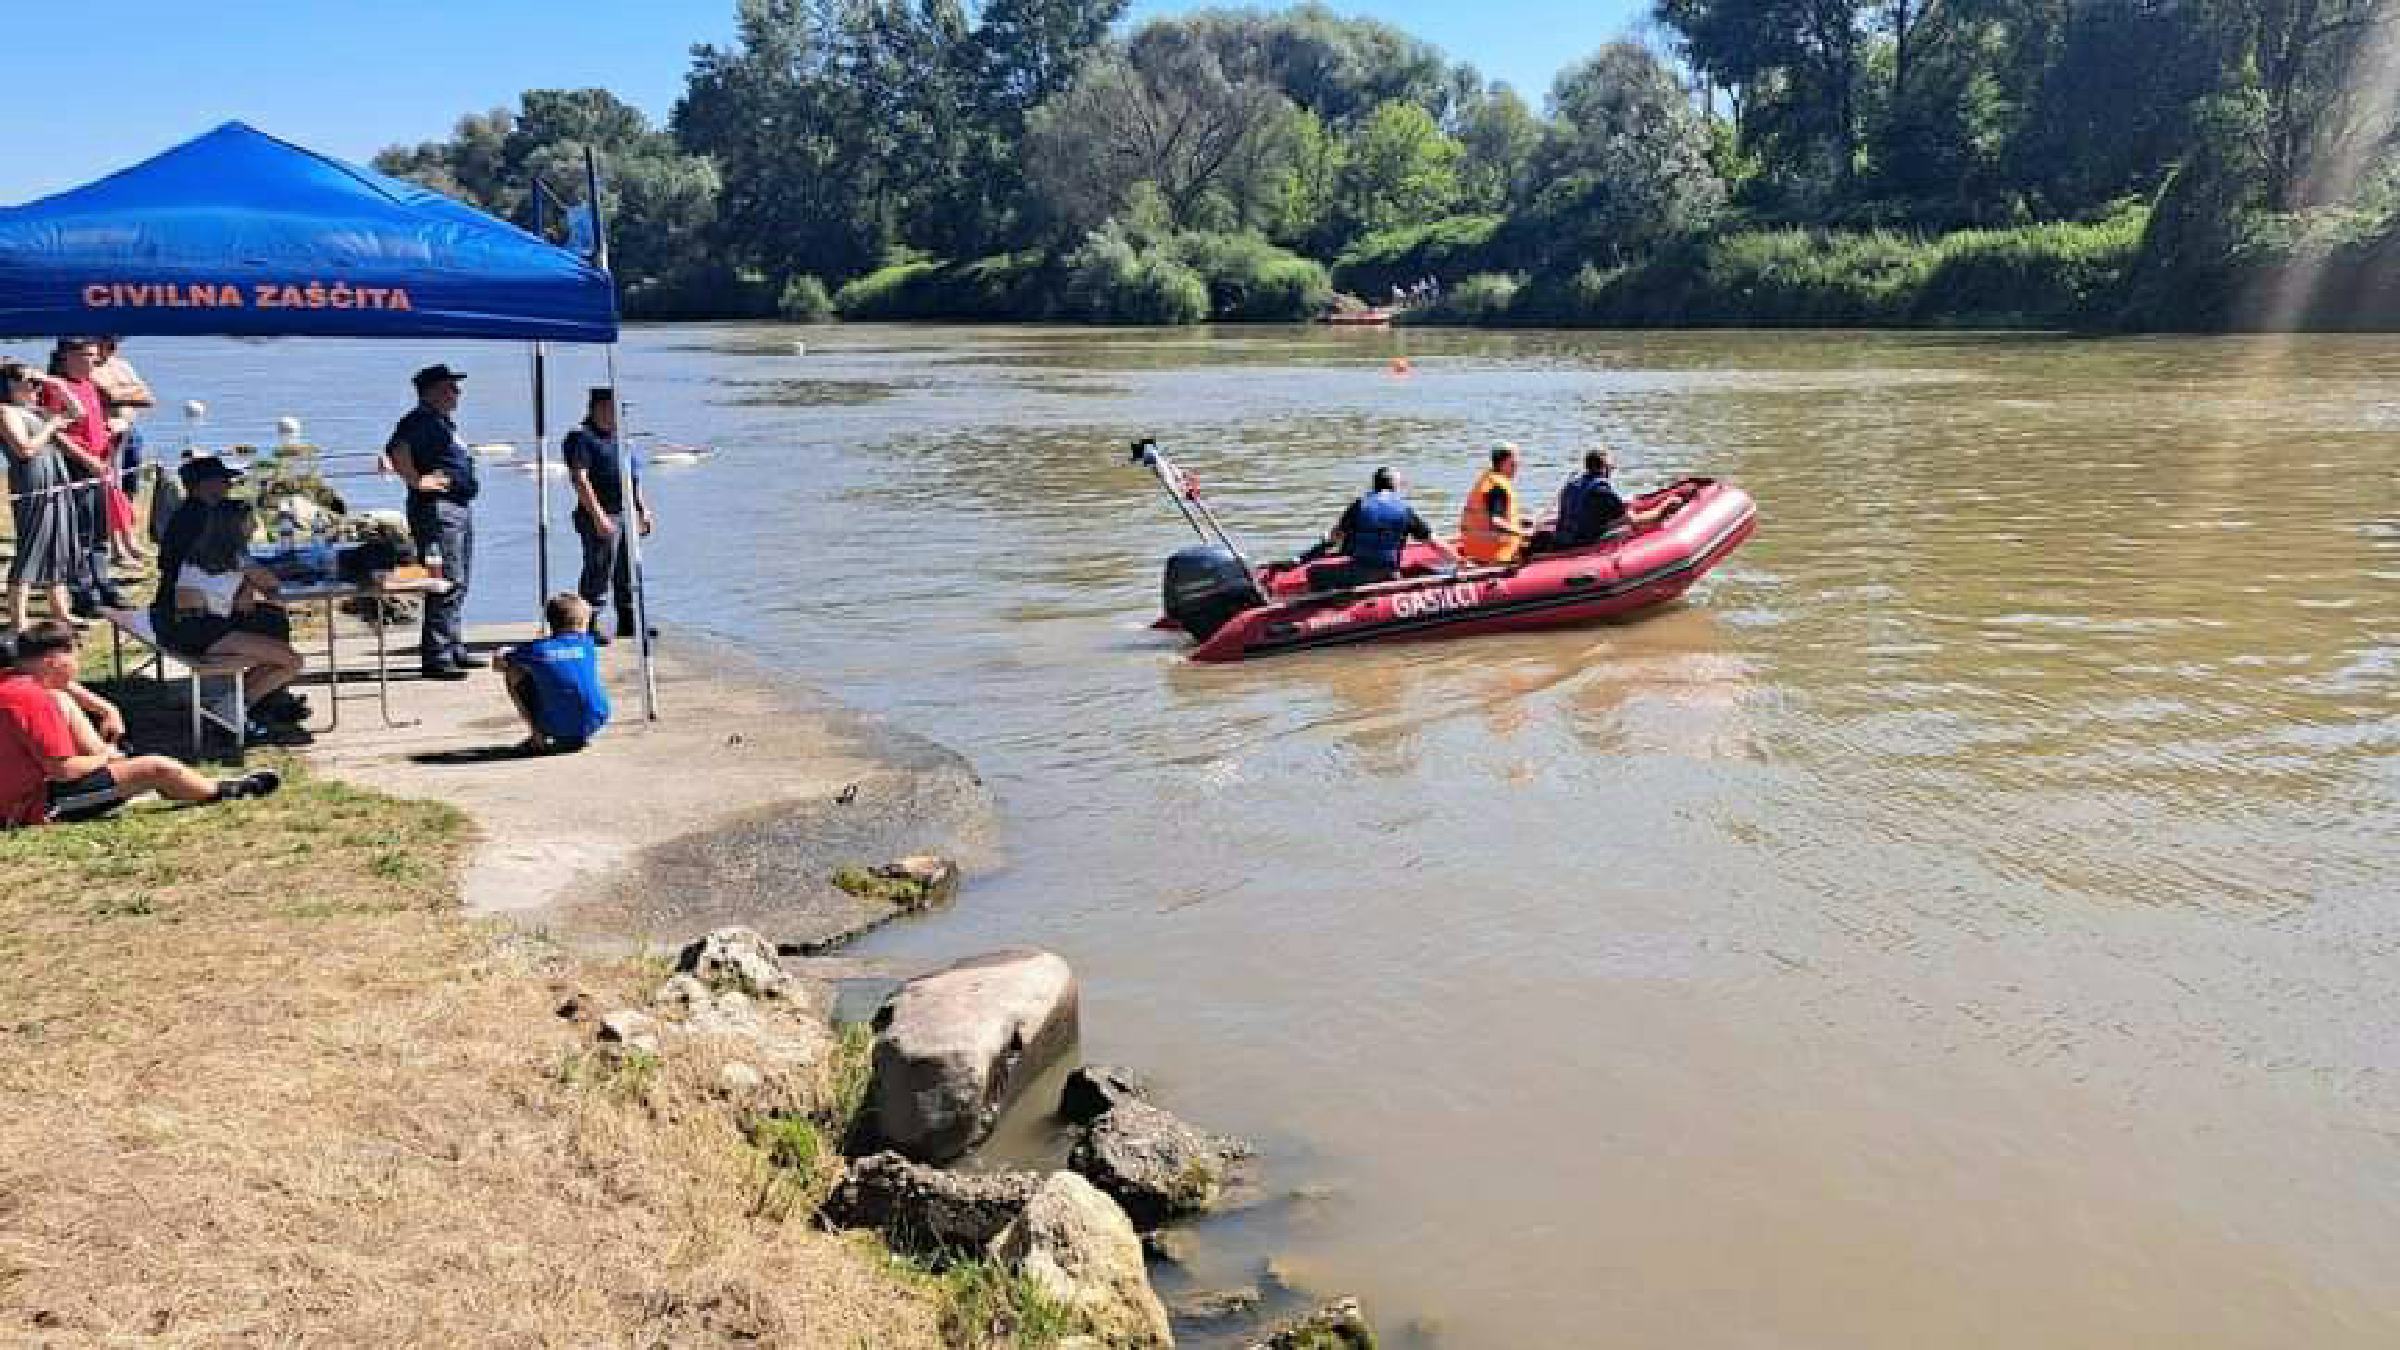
(432, 375)
(207, 468)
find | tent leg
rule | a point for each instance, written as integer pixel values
(541, 474)
(629, 529)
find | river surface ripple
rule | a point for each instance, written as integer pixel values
(1967, 922)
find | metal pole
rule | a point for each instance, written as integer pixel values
(628, 519)
(541, 473)
(541, 431)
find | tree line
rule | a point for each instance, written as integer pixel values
(2078, 161)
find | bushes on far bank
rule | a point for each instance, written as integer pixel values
(1118, 276)
(1022, 286)
(1445, 248)
(2059, 275)
(1111, 280)
(2055, 275)
(805, 301)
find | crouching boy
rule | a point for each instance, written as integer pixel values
(555, 682)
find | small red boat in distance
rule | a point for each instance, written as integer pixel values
(1235, 612)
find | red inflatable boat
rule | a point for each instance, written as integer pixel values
(1235, 611)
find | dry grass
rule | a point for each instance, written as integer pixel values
(260, 1084)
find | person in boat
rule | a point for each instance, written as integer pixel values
(1372, 535)
(1590, 507)
(1490, 528)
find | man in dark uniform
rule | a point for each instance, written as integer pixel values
(439, 473)
(591, 456)
(1590, 507)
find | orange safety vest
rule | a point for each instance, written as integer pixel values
(1477, 540)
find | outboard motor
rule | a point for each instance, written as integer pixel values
(1206, 587)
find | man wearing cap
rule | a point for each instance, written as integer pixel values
(438, 471)
(591, 455)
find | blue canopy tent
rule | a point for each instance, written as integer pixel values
(236, 233)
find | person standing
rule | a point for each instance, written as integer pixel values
(128, 397)
(86, 441)
(1490, 529)
(439, 473)
(591, 455)
(40, 497)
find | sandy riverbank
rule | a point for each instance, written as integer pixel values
(736, 806)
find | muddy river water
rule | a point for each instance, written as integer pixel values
(1968, 921)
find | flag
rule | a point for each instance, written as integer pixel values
(583, 231)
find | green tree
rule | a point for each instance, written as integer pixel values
(1343, 69)
(1501, 136)
(659, 201)
(1178, 108)
(1795, 68)
(1400, 170)
(1626, 161)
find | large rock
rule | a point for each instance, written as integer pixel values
(1339, 1325)
(912, 884)
(1077, 1247)
(787, 1033)
(925, 1209)
(952, 1048)
(737, 959)
(1095, 1089)
(1153, 1164)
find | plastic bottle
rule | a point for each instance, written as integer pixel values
(287, 531)
(433, 560)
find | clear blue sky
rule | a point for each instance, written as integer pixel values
(93, 90)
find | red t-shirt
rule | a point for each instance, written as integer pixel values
(33, 731)
(92, 431)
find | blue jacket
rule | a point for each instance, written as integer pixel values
(1378, 528)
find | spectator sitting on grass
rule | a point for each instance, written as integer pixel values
(57, 765)
(555, 682)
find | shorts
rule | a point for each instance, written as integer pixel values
(90, 797)
(194, 634)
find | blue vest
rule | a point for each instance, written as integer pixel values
(1588, 507)
(569, 703)
(1381, 531)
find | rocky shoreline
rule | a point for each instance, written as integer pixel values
(835, 824)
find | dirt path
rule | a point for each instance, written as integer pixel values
(736, 806)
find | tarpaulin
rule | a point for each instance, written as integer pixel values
(238, 233)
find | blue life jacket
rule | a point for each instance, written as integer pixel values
(1588, 507)
(1381, 530)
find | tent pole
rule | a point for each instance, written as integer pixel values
(629, 529)
(541, 473)
(628, 519)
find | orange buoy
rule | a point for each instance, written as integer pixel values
(1400, 365)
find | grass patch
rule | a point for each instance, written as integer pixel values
(259, 1085)
(984, 1304)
